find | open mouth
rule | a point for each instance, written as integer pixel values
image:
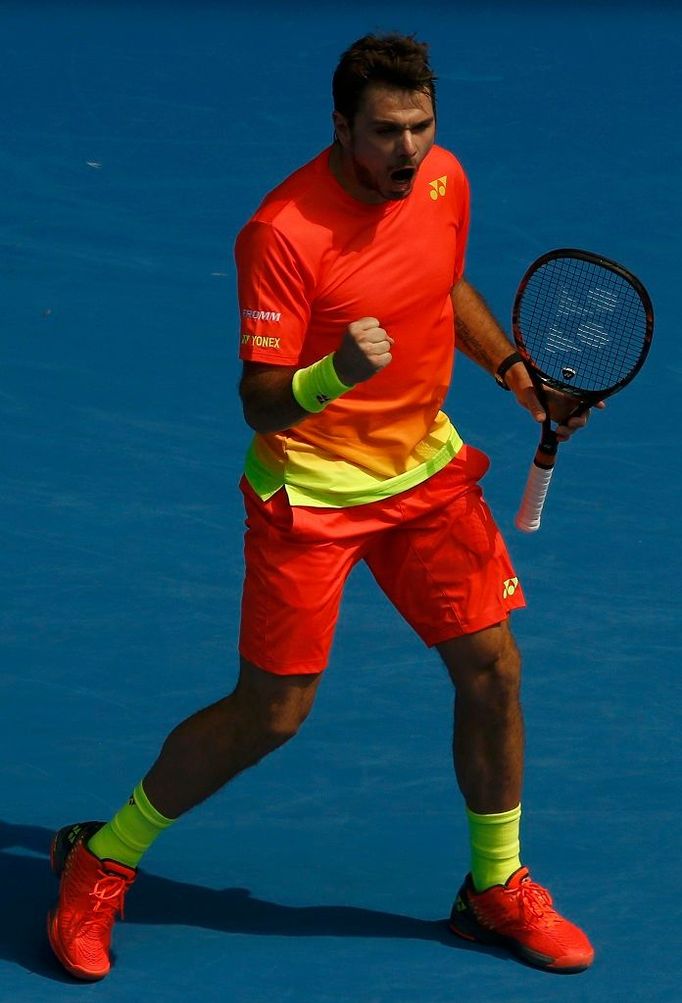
(403, 175)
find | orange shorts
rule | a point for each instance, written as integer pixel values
(434, 550)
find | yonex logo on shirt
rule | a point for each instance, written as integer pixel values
(259, 341)
(262, 315)
(438, 187)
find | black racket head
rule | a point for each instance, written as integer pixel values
(582, 322)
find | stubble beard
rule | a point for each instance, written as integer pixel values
(367, 181)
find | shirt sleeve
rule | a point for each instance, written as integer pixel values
(462, 225)
(274, 296)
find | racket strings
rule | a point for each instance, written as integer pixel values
(583, 324)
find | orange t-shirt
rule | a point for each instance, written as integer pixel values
(312, 260)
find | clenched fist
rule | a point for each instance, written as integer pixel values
(364, 351)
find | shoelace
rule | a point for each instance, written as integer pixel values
(536, 903)
(532, 904)
(109, 894)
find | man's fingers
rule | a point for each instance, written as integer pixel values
(366, 348)
(528, 399)
(566, 430)
(368, 330)
(376, 336)
(372, 340)
(364, 323)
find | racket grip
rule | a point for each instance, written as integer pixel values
(530, 510)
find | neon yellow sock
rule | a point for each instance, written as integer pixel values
(494, 847)
(131, 831)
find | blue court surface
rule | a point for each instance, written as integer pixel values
(136, 140)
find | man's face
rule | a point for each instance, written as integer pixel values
(392, 132)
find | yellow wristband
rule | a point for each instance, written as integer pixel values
(317, 385)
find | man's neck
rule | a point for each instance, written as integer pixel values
(342, 168)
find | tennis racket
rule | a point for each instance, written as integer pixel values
(583, 326)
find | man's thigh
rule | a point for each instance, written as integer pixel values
(295, 571)
(447, 568)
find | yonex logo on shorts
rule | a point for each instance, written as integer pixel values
(510, 587)
(262, 315)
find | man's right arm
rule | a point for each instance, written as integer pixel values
(267, 398)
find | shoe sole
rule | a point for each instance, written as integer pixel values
(479, 935)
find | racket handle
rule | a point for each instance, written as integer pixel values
(530, 510)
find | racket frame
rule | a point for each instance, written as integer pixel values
(528, 517)
(583, 397)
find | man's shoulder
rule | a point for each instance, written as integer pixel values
(289, 199)
(440, 158)
(293, 219)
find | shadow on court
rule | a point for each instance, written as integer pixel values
(31, 888)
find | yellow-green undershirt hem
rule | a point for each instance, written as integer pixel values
(367, 487)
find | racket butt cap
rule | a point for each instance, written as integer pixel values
(526, 527)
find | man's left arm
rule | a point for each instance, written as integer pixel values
(481, 339)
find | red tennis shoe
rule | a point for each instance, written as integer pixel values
(91, 895)
(520, 915)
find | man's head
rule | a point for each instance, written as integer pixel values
(384, 114)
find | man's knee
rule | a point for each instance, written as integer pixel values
(275, 724)
(485, 665)
(273, 708)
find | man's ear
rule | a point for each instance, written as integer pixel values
(341, 128)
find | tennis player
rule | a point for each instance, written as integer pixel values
(352, 296)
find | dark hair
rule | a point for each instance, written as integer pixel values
(396, 60)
